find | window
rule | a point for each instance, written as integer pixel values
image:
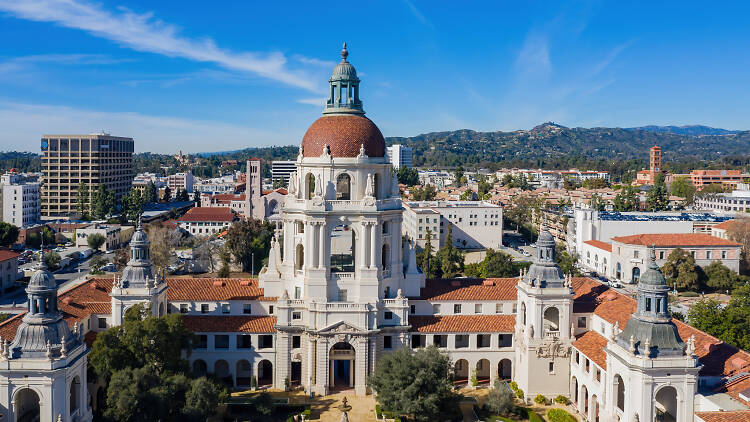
(247, 309)
(436, 309)
(478, 308)
(297, 315)
(225, 308)
(102, 322)
(270, 309)
(417, 341)
(244, 341)
(635, 254)
(200, 341)
(457, 308)
(582, 322)
(412, 309)
(552, 367)
(296, 340)
(388, 315)
(483, 340)
(498, 308)
(505, 340)
(342, 295)
(693, 254)
(578, 358)
(708, 254)
(462, 341)
(723, 254)
(598, 374)
(183, 308)
(297, 292)
(266, 341)
(588, 365)
(515, 308)
(440, 340)
(204, 308)
(661, 254)
(221, 341)
(648, 304)
(387, 342)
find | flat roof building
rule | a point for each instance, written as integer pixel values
(282, 169)
(400, 156)
(95, 159)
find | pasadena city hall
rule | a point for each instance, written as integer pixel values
(342, 289)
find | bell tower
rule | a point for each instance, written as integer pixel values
(543, 324)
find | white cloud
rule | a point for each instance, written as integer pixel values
(143, 32)
(24, 124)
(534, 55)
(319, 102)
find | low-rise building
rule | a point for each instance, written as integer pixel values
(282, 169)
(206, 221)
(8, 269)
(596, 256)
(111, 233)
(474, 224)
(701, 178)
(630, 253)
(738, 201)
(21, 204)
(180, 181)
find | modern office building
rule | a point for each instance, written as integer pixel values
(95, 159)
(281, 170)
(400, 156)
(474, 224)
(20, 200)
(180, 181)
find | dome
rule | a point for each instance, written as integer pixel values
(139, 237)
(653, 275)
(545, 238)
(344, 71)
(344, 135)
(42, 279)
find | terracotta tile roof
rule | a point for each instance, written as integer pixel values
(725, 225)
(599, 244)
(725, 416)
(230, 324)
(212, 289)
(469, 289)
(6, 254)
(463, 323)
(674, 239)
(718, 358)
(735, 387)
(222, 214)
(228, 197)
(9, 327)
(592, 345)
(282, 191)
(344, 135)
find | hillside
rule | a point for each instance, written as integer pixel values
(551, 142)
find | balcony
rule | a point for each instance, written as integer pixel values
(342, 276)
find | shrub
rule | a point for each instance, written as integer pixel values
(378, 413)
(533, 417)
(500, 400)
(473, 379)
(689, 294)
(519, 393)
(513, 386)
(307, 413)
(561, 399)
(559, 415)
(540, 399)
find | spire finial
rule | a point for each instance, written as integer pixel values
(344, 53)
(140, 223)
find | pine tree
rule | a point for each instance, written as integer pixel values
(167, 194)
(82, 200)
(149, 194)
(427, 256)
(657, 198)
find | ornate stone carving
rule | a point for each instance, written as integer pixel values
(369, 190)
(292, 189)
(690, 346)
(552, 349)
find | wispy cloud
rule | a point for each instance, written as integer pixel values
(418, 14)
(26, 63)
(609, 58)
(313, 61)
(23, 124)
(143, 32)
(534, 55)
(318, 102)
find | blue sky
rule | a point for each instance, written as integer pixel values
(208, 76)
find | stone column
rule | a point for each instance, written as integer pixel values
(309, 235)
(373, 246)
(360, 376)
(287, 242)
(322, 245)
(365, 243)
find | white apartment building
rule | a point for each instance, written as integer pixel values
(474, 224)
(8, 269)
(224, 184)
(437, 178)
(738, 201)
(206, 221)
(180, 181)
(111, 233)
(400, 156)
(282, 169)
(20, 200)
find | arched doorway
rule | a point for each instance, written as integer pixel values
(343, 249)
(75, 394)
(341, 366)
(574, 390)
(665, 405)
(505, 369)
(343, 187)
(483, 371)
(265, 373)
(619, 393)
(461, 372)
(551, 320)
(244, 373)
(618, 271)
(594, 409)
(584, 401)
(221, 370)
(299, 261)
(636, 275)
(26, 406)
(200, 369)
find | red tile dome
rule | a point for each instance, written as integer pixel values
(344, 134)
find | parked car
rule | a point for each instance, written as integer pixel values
(615, 284)
(110, 267)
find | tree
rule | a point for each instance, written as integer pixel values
(494, 264)
(719, 276)
(626, 200)
(35, 240)
(121, 258)
(570, 184)
(52, 260)
(132, 204)
(102, 202)
(597, 183)
(680, 270)
(450, 258)
(167, 194)
(82, 200)
(8, 234)
(568, 263)
(163, 241)
(249, 239)
(407, 176)
(226, 256)
(418, 384)
(197, 198)
(150, 194)
(96, 263)
(657, 198)
(596, 202)
(425, 193)
(95, 241)
(507, 179)
(182, 195)
(682, 186)
(500, 400)
(459, 175)
(426, 263)
(739, 231)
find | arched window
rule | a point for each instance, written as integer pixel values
(75, 394)
(343, 248)
(343, 187)
(551, 320)
(619, 393)
(636, 274)
(310, 185)
(618, 272)
(385, 258)
(376, 188)
(299, 262)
